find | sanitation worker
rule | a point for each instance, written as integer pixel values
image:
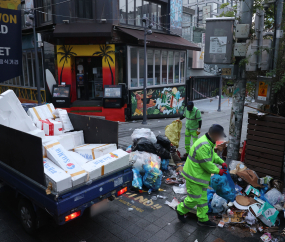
(193, 124)
(197, 171)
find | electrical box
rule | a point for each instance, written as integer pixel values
(219, 40)
(240, 49)
(242, 31)
(263, 89)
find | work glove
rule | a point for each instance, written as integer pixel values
(224, 165)
(198, 131)
(222, 172)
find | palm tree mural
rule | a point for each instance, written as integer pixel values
(66, 54)
(105, 53)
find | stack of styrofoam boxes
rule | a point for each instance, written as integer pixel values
(63, 117)
(43, 117)
(61, 157)
(13, 115)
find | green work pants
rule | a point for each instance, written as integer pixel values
(197, 196)
(188, 135)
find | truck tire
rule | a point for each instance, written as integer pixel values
(27, 215)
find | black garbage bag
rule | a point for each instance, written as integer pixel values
(164, 141)
(144, 144)
(162, 152)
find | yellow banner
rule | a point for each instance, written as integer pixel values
(11, 4)
(262, 89)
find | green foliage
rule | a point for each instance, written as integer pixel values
(228, 13)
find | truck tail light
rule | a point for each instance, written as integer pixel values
(122, 191)
(72, 216)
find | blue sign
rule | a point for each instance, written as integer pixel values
(10, 44)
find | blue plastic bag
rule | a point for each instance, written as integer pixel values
(210, 194)
(137, 179)
(164, 164)
(224, 186)
(217, 204)
(152, 177)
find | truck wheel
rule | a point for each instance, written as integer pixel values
(27, 215)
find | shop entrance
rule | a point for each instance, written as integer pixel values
(89, 79)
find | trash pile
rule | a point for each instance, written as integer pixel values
(67, 161)
(150, 156)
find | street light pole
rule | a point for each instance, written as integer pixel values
(147, 31)
(144, 81)
(32, 17)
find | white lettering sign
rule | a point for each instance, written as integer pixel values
(3, 29)
(2, 52)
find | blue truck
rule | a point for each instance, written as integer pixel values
(21, 168)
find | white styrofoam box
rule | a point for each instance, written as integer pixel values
(107, 163)
(36, 114)
(79, 159)
(70, 140)
(51, 109)
(12, 114)
(64, 118)
(52, 128)
(57, 154)
(37, 132)
(48, 139)
(46, 112)
(93, 151)
(78, 138)
(59, 179)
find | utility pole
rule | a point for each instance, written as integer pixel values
(278, 30)
(236, 117)
(220, 92)
(31, 15)
(147, 31)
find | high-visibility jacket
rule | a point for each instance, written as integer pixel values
(192, 119)
(200, 162)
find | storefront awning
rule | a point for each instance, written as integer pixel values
(161, 40)
(83, 30)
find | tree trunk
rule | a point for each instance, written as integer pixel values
(61, 72)
(111, 72)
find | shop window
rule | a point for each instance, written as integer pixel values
(123, 11)
(132, 12)
(47, 15)
(150, 66)
(84, 9)
(163, 67)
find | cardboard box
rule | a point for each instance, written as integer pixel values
(12, 114)
(59, 178)
(107, 163)
(94, 151)
(57, 154)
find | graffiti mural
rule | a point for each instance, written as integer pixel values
(166, 101)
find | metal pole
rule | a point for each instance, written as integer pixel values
(144, 81)
(279, 10)
(236, 118)
(37, 62)
(220, 93)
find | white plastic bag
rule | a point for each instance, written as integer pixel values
(146, 133)
(181, 189)
(217, 203)
(233, 164)
(139, 159)
(274, 196)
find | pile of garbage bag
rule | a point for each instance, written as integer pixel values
(149, 155)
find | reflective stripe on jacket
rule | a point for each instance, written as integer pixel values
(192, 119)
(200, 162)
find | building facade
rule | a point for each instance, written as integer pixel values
(88, 44)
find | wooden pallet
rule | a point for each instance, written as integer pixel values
(265, 145)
